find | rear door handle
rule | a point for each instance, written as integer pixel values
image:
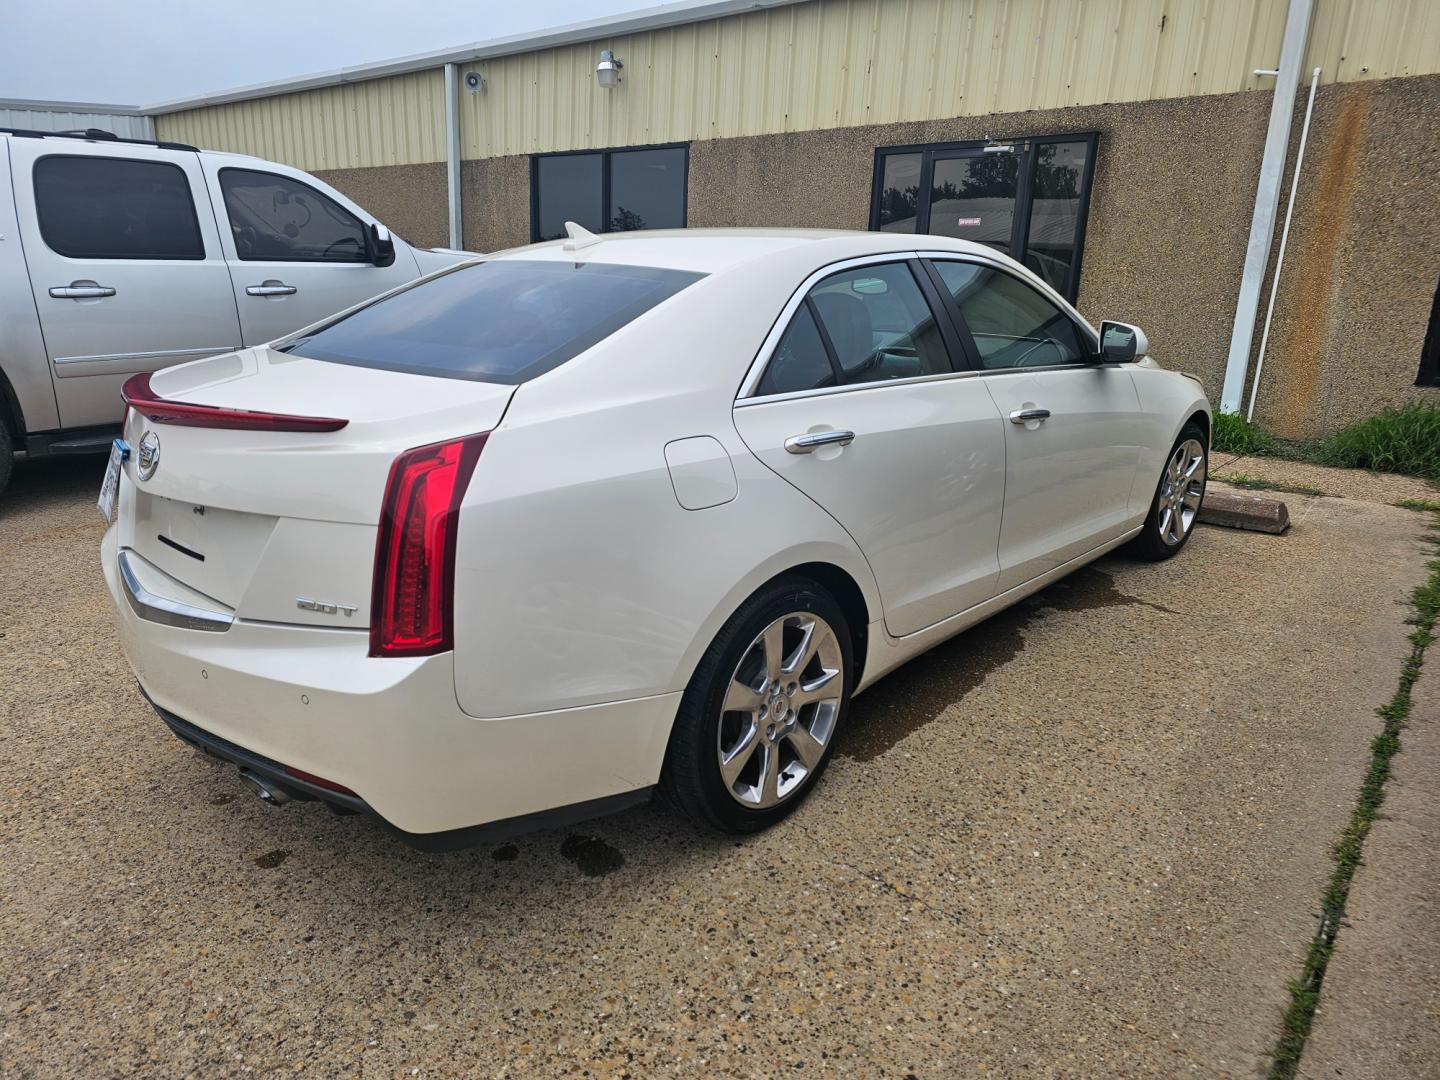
(1024, 416)
(813, 440)
(270, 288)
(81, 290)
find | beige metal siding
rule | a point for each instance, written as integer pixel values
(394, 121)
(829, 63)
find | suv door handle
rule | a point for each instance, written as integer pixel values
(813, 440)
(270, 288)
(81, 290)
(1024, 416)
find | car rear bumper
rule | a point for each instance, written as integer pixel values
(267, 696)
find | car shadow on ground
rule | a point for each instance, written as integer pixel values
(637, 850)
(34, 485)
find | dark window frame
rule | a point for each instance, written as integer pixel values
(1024, 193)
(1429, 373)
(106, 158)
(604, 156)
(364, 257)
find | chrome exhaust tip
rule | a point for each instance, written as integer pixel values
(267, 792)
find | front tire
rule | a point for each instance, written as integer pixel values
(1178, 496)
(757, 723)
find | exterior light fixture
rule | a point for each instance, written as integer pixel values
(607, 71)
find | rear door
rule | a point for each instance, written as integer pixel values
(297, 253)
(860, 406)
(1073, 435)
(125, 264)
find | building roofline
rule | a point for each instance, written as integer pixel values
(37, 105)
(664, 15)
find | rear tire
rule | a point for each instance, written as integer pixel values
(1179, 494)
(757, 724)
(7, 455)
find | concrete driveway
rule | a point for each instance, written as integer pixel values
(1086, 838)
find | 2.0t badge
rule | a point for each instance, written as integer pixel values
(149, 454)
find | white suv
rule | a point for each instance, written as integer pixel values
(120, 256)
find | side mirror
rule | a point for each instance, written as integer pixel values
(1122, 343)
(381, 244)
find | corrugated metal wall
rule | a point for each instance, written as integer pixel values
(125, 126)
(830, 63)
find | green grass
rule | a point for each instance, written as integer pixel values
(1305, 993)
(1395, 440)
(1432, 505)
(1255, 483)
(1234, 434)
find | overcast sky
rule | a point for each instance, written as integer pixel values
(135, 52)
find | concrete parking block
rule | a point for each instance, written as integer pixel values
(1236, 511)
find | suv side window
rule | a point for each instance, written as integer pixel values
(276, 219)
(115, 208)
(1012, 325)
(862, 325)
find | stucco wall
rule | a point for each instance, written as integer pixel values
(410, 199)
(1169, 217)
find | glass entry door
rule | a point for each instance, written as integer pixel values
(1027, 198)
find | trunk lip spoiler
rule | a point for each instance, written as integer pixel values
(138, 395)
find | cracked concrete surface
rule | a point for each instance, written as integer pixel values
(1086, 838)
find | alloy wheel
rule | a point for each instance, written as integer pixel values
(1181, 489)
(780, 709)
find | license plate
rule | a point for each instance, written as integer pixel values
(110, 488)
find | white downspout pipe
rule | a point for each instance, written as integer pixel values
(1284, 239)
(452, 153)
(1267, 202)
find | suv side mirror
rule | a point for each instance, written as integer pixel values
(381, 245)
(1122, 343)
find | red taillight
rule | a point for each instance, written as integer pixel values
(318, 781)
(412, 609)
(158, 410)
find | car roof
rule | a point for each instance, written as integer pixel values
(709, 251)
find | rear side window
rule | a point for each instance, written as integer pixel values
(276, 219)
(504, 321)
(115, 208)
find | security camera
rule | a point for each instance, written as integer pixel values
(474, 82)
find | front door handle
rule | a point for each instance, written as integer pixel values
(1024, 416)
(813, 440)
(81, 290)
(270, 288)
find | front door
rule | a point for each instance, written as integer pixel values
(1073, 427)
(850, 411)
(125, 264)
(297, 254)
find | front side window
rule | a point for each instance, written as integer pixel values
(1012, 325)
(503, 321)
(276, 219)
(115, 208)
(609, 191)
(1025, 197)
(863, 325)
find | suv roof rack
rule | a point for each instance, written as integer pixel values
(95, 135)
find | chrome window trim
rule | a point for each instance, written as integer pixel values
(756, 371)
(879, 384)
(158, 609)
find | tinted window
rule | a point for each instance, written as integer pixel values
(973, 198)
(874, 324)
(276, 219)
(647, 190)
(1012, 324)
(1054, 235)
(1430, 351)
(504, 321)
(569, 187)
(610, 191)
(800, 361)
(899, 192)
(112, 208)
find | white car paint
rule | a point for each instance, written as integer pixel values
(625, 504)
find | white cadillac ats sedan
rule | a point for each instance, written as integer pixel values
(548, 531)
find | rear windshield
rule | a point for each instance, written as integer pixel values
(504, 321)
